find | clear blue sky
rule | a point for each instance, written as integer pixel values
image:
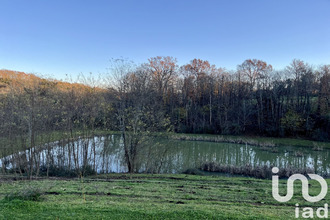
(69, 37)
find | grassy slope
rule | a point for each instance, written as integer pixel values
(118, 196)
(253, 139)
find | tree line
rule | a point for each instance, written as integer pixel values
(161, 96)
(253, 100)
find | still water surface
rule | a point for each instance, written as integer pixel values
(106, 155)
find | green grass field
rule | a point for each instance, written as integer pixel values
(146, 196)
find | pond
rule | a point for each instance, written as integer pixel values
(105, 155)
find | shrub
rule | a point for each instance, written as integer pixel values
(27, 194)
(193, 171)
(88, 170)
(263, 172)
(56, 171)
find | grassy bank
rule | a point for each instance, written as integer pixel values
(119, 196)
(255, 141)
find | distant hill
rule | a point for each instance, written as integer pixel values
(11, 78)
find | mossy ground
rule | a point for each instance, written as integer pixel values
(147, 196)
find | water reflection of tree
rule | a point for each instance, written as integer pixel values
(162, 155)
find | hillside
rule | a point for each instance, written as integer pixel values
(10, 79)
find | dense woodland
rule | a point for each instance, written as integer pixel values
(160, 96)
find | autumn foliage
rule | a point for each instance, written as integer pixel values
(159, 95)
